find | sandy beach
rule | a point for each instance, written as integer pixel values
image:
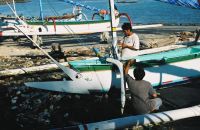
(35, 109)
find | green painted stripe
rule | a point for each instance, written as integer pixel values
(164, 61)
(84, 68)
(3, 24)
(148, 60)
(66, 23)
(170, 53)
(97, 66)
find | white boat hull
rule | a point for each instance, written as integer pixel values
(173, 72)
(144, 120)
(79, 27)
(103, 80)
(64, 29)
(93, 82)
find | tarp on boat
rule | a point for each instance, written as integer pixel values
(187, 3)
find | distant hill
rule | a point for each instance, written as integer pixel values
(9, 1)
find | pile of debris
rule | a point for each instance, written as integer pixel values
(7, 62)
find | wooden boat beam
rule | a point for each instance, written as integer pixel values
(147, 119)
(123, 94)
(69, 72)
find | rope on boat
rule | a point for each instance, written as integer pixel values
(187, 3)
(52, 8)
(54, 25)
(97, 15)
(82, 5)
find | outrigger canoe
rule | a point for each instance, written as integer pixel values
(98, 75)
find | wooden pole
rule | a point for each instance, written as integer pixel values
(147, 119)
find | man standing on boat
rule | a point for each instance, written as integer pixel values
(143, 96)
(130, 42)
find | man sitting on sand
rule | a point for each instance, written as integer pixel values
(130, 42)
(143, 96)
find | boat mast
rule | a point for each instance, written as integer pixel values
(113, 30)
(41, 11)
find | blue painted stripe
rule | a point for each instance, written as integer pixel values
(178, 81)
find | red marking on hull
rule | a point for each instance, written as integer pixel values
(167, 82)
(1, 34)
(186, 78)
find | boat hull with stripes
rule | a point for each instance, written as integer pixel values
(56, 28)
(97, 75)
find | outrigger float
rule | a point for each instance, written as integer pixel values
(140, 120)
(161, 68)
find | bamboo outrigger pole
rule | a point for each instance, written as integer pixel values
(147, 119)
(69, 72)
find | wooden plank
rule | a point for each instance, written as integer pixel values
(143, 26)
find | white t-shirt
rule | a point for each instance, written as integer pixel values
(132, 40)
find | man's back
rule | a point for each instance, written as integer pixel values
(140, 94)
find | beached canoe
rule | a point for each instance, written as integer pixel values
(98, 75)
(56, 28)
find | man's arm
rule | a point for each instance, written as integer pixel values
(152, 92)
(126, 46)
(136, 43)
(128, 65)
